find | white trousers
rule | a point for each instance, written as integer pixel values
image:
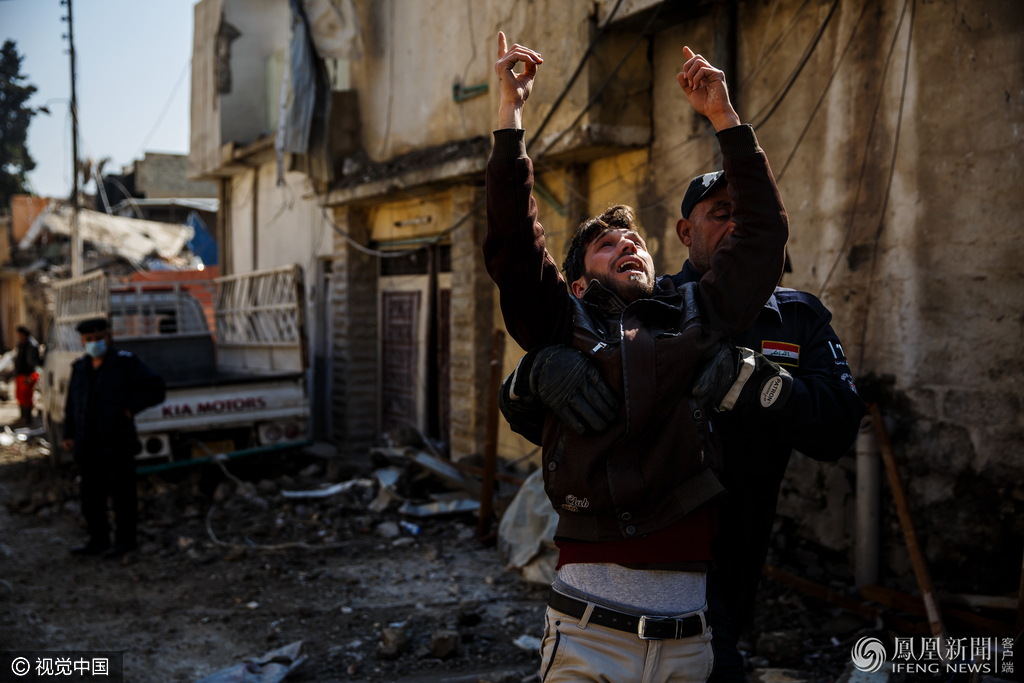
(598, 653)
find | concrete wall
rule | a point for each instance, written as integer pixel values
(927, 294)
(163, 175)
(416, 50)
(265, 26)
(921, 270)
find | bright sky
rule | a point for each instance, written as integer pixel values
(131, 54)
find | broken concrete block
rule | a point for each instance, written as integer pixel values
(528, 643)
(311, 471)
(224, 490)
(267, 487)
(501, 677)
(854, 675)
(444, 643)
(777, 676)
(780, 647)
(387, 529)
(393, 641)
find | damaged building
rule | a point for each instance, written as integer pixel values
(351, 136)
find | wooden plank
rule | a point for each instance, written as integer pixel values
(821, 592)
(491, 437)
(444, 364)
(912, 604)
(995, 602)
(924, 581)
(503, 477)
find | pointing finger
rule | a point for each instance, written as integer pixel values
(522, 49)
(502, 44)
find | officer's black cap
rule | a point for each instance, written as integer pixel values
(92, 325)
(23, 329)
(700, 187)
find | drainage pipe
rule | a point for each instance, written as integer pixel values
(865, 569)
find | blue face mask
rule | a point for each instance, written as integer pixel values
(96, 348)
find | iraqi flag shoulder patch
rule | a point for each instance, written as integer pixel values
(782, 353)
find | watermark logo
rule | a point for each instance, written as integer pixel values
(868, 655)
(20, 666)
(25, 665)
(975, 655)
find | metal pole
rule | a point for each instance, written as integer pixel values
(868, 486)
(76, 239)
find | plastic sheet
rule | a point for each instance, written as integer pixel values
(526, 535)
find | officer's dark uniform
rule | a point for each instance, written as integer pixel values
(105, 438)
(820, 420)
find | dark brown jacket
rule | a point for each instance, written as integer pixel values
(654, 465)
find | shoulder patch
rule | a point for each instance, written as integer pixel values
(782, 353)
(795, 296)
(124, 354)
(841, 367)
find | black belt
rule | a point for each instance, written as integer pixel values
(646, 628)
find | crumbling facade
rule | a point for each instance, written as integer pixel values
(892, 127)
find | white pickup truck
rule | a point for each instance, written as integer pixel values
(238, 386)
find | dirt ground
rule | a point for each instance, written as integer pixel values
(187, 604)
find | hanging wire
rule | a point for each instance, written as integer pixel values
(776, 43)
(888, 187)
(575, 74)
(821, 99)
(406, 252)
(607, 81)
(867, 148)
(762, 116)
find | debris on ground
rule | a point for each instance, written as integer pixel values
(272, 667)
(237, 557)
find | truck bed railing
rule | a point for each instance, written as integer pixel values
(260, 320)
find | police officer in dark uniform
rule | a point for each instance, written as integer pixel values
(819, 417)
(108, 388)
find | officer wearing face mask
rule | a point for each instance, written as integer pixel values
(108, 388)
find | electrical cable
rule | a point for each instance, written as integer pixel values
(867, 148)
(777, 98)
(758, 120)
(575, 74)
(396, 254)
(167, 106)
(888, 187)
(776, 43)
(607, 81)
(764, 41)
(821, 99)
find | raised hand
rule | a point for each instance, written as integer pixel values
(515, 88)
(707, 91)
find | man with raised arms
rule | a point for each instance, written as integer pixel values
(635, 501)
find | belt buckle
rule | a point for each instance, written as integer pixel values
(641, 629)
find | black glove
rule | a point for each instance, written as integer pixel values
(737, 378)
(526, 415)
(565, 381)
